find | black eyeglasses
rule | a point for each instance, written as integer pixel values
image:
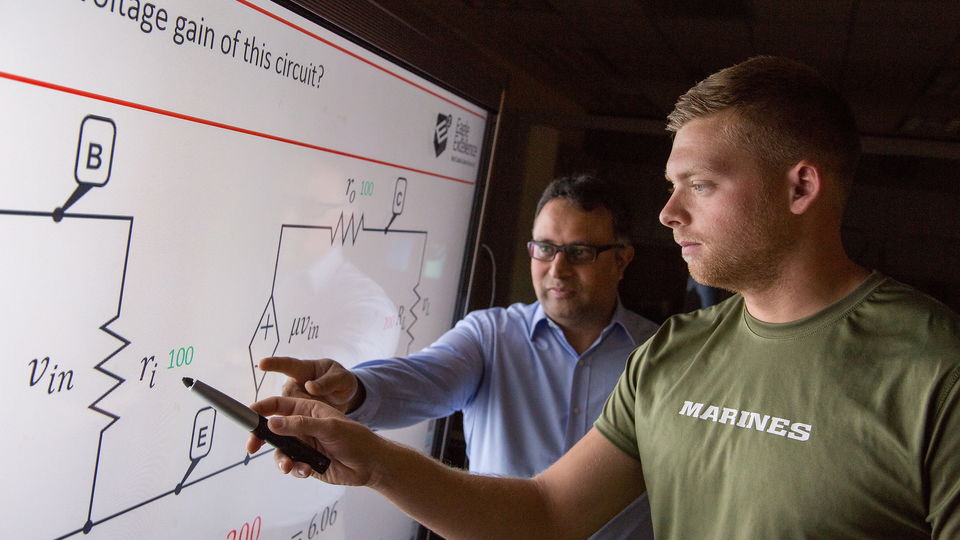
(575, 253)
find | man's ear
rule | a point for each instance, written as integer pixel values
(624, 257)
(806, 186)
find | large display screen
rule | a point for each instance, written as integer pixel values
(187, 186)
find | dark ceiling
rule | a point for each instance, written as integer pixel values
(897, 61)
(624, 62)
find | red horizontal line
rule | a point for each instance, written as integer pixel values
(220, 125)
(364, 60)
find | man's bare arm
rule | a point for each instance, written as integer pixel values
(574, 497)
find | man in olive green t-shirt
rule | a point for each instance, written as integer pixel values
(819, 402)
(837, 425)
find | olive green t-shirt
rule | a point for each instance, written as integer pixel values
(845, 424)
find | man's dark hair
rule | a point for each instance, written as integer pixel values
(783, 112)
(587, 193)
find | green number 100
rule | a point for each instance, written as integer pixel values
(180, 357)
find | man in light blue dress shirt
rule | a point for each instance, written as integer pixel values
(531, 378)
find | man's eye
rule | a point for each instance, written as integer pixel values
(699, 188)
(544, 249)
(577, 252)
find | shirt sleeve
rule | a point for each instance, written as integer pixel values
(432, 383)
(617, 422)
(943, 465)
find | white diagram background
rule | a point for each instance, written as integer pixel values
(184, 244)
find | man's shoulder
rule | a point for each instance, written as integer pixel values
(497, 317)
(706, 319)
(892, 295)
(686, 329)
(638, 326)
(893, 307)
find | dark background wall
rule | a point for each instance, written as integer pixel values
(903, 218)
(584, 87)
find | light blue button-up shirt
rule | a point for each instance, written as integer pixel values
(526, 395)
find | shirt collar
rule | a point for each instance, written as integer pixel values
(538, 319)
(618, 321)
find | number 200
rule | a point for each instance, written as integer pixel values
(247, 531)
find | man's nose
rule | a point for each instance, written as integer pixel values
(673, 213)
(559, 265)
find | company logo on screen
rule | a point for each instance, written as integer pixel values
(464, 150)
(440, 132)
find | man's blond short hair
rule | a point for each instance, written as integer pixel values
(783, 112)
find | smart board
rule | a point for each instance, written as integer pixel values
(187, 186)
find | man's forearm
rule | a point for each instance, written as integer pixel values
(457, 504)
(574, 497)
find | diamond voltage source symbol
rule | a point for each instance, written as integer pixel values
(264, 343)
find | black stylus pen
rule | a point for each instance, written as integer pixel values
(294, 448)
